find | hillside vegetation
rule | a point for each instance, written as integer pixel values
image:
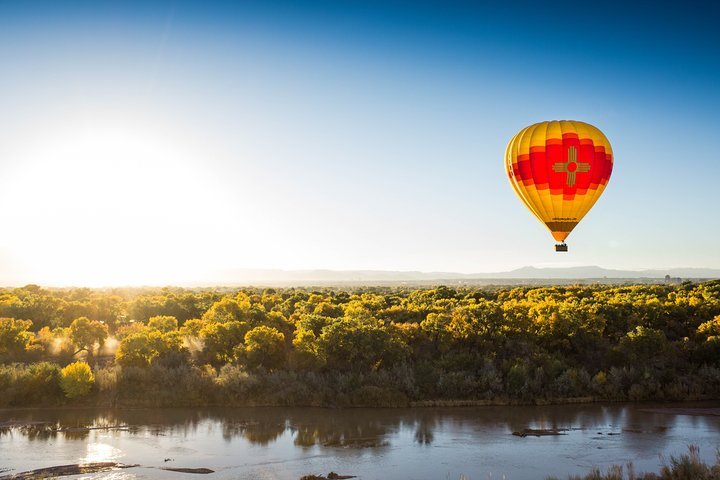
(360, 346)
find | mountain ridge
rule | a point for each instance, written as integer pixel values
(589, 272)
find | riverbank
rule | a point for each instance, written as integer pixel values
(687, 466)
(697, 407)
(503, 402)
(232, 386)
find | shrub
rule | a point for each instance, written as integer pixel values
(29, 384)
(159, 385)
(373, 396)
(43, 382)
(516, 378)
(77, 380)
(106, 379)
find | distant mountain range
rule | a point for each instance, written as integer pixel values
(326, 277)
(599, 272)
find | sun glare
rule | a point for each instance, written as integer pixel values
(109, 204)
(101, 452)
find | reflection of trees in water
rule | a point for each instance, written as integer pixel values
(311, 426)
(355, 428)
(644, 431)
(175, 421)
(76, 433)
(77, 424)
(556, 417)
(39, 432)
(45, 431)
(341, 434)
(424, 430)
(318, 426)
(254, 431)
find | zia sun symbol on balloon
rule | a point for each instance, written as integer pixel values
(571, 166)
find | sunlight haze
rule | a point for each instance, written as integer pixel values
(159, 143)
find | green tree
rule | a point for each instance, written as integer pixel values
(143, 348)
(228, 310)
(710, 329)
(138, 349)
(37, 304)
(360, 344)
(644, 345)
(312, 322)
(84, 334)
(435, 326)
(264, 347)
(14, 338)
(221, 339)
(306, 354)
(327, 309)
(192, 327)
(163, 323)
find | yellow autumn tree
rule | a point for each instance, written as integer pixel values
(76, 380)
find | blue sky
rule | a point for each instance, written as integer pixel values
(158, 142)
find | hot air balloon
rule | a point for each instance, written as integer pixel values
(559, 169)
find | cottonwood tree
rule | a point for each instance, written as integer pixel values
(84, 334)
(14, 338)
(264, 347)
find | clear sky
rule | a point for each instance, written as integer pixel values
(157, 142)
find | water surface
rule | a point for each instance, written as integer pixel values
(422, 444)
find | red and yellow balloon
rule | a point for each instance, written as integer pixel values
(559, 169)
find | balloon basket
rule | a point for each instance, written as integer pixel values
(561, 247)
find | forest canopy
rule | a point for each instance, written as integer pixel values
(358, 346)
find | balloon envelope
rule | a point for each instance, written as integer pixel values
(559, 169)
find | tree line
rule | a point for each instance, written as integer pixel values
(358, 346)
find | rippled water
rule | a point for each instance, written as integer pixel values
(286, 443)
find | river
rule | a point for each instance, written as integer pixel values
(421, 443)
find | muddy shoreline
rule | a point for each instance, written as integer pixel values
(420, 404)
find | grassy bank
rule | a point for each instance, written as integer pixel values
(686, 467)
(192, 386)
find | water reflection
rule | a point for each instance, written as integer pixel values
(339, 428)
(424, 430)
(480, 433)
(363, 429)
(39, 432)
(101, 452)
(259, 432)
